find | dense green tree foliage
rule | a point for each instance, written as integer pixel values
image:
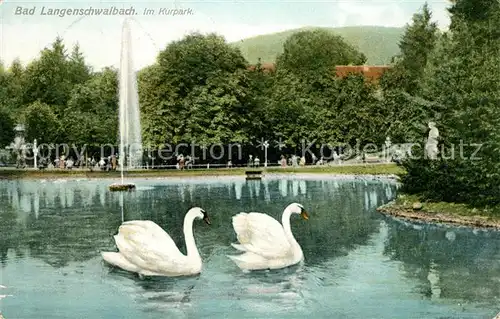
(91, 115)
(11, 88)
(416, 45)
(6, 128)
(199, 91)
(47, 79)
(60, 99)
(308, 103)
(463, 78)
(313, 52)
(41, 123)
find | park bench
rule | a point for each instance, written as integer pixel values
(253, 175)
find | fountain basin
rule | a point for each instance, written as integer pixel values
(121, 187)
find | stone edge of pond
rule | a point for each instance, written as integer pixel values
(392, 210)
(175, 175)
(114, 175)
(335, 176)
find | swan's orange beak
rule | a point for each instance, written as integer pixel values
(304, 215)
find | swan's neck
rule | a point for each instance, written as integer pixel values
(285, 220)
(192, 250)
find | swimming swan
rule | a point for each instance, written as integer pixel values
(145, 248)
(265, 242)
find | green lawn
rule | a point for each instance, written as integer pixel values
(381, 169)
(378, 169)
(405, 201)
(442, 212)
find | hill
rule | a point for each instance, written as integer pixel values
(379, 44)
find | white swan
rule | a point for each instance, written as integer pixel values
(145, 248)
(265, 242)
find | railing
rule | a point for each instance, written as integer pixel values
(208, 166)
(368, 161)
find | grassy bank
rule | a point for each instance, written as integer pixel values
(381, 169)
(441, 212)
(57, 173)
(374, 169)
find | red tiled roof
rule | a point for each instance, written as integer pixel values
(269, 67)
(370, 72)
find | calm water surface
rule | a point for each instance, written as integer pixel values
(358, 264)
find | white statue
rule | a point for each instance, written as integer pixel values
(388, 144)
(19, 147)
(431, 148)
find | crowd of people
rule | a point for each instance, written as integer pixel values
(110, 163)
(104, 164)
(293, 160)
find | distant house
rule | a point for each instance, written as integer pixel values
(266, 67)
(370, 72)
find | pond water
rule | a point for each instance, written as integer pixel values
(358, 264)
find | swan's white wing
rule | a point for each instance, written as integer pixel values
(261, 234)
(118, 260)
(154, 229)
(147, 248)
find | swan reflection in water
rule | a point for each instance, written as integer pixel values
(277, 292)
(3, 296)
(272, 291)
(169, 296)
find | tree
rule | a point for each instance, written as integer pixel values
(217, 112)
(79, 72)
(41, 123)
(6, 128)
(315, 52)
(195, 59)
(91, 116)
(303, 103)
(472, 11)
(47, 78)
(407, 116)
(15, 87)
(359, 118)
(463, 77)
(416, 44)
(4, 80)
(11, 86)
(197, 91)
(159, 107)
(51, 78)
(408, 109)
(288, 109)
(261, 84)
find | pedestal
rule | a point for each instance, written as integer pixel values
(119, 187)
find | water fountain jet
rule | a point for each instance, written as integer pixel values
(129, 116)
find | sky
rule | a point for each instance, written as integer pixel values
(23, 36)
